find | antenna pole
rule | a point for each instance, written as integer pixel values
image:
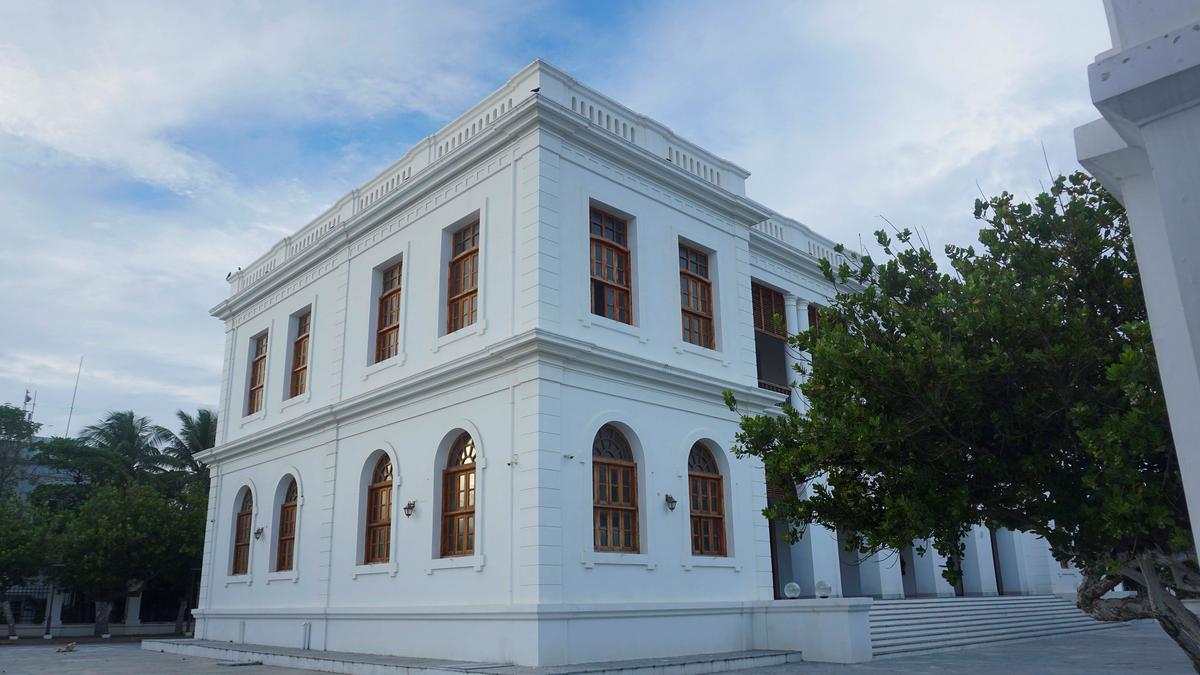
(71, 412)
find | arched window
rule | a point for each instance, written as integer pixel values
(614, 492)
(707, 498)
(241, 537)
(379, 513)
(458, 498)
(286, 546)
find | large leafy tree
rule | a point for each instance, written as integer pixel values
(116, 540)
(1017, 390)
(22, 554)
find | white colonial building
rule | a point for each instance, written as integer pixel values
(474, 411)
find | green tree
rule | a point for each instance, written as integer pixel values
(16, 437)
(116, 540)
(196, 434)
(22, 554)
(134, 441)
(1019, 391)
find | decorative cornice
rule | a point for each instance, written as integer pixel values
(504, 357)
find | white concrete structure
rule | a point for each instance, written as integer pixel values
(533, 381)
(1146, 151)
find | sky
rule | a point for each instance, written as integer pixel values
(148, 149)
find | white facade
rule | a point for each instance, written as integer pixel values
(531, 381)
(1146, 151)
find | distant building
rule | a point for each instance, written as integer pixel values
(474, 410)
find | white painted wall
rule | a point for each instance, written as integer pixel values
(532, 381)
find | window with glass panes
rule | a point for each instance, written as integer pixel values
(258, 375)
(612, 276)
(300, 354)
(614, 492)
(458, 499)
(379, 513)
(241, 535)
(462, 293)
(707, 501)
(387, 336)
(286, 546)
(695, 297)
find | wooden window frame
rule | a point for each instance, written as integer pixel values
(377, 525)
(459, 493)
(257, 377)
(387, 332)
(696, 297)
(610, 255)
(243, 522)
(462, 286)
(285, 546)
(706, 503)
(766, 303)
(300, 354)
(607, 465)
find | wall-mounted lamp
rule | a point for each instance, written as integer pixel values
(408, 508)
(671, 503)
(258, 533)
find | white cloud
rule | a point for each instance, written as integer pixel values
(843, 111)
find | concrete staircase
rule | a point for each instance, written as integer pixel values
(902, 627)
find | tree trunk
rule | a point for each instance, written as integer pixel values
(8, 617)
(103, 610)
(1173, 616)
(181, 615)
(1159, 604)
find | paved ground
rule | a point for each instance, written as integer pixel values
(1138, 648)
(1141, 648)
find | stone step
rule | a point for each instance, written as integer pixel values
(347, 662)
(1012, 601)
(888, 635)
(957, 642)
(949, 623)
(893, 619)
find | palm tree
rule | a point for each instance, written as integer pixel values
(197, 433)
(136, 441)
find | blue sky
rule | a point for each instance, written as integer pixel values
(146, 149)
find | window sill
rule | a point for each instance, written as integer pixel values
(592, 558)
(296, 400)
(240, 580)
(376, 368)
(476, 561)
(255, 417)
(716, 562)
(377, 568)
(276, 577)
(477, 328)
(590, 320)
(689, 348)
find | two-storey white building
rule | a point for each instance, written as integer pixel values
(474, 410)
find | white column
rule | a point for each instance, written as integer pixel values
(815, 555)
(133, 610)
(978, 566)
(927, 571)
(1147, 153)
(795, 315)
